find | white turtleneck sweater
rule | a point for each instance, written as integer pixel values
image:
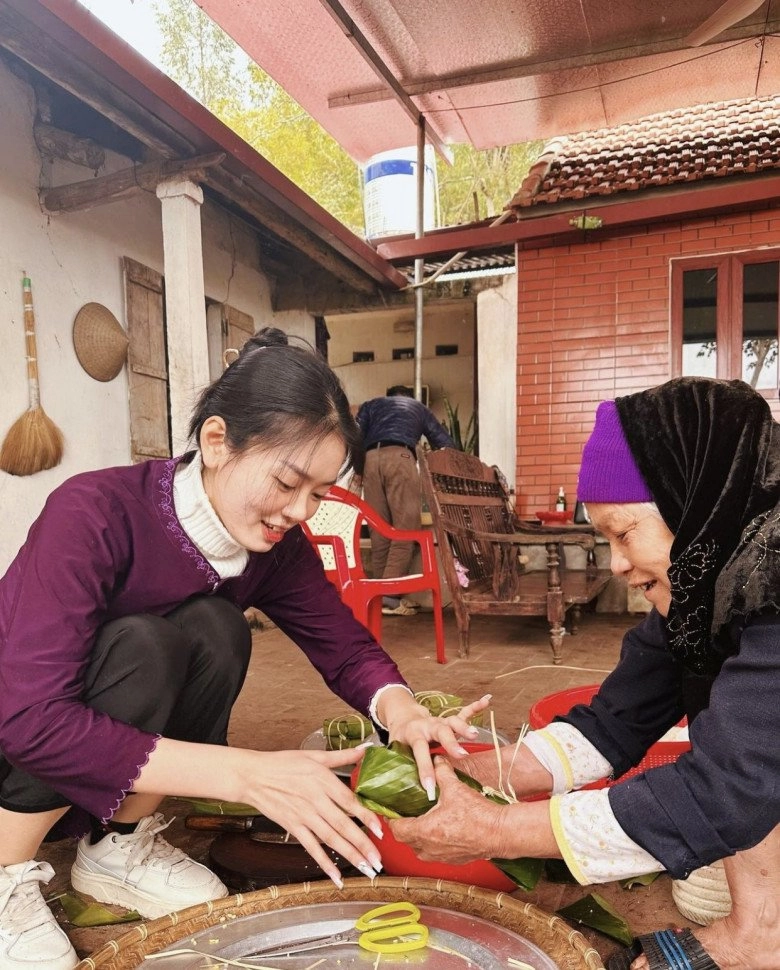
(202, 524)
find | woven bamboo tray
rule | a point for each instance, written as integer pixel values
(565, 945)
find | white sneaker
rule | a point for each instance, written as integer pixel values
(30, 937)
(141, 871)
(401, 610)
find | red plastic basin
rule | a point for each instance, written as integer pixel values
(561, 702)
(399, 859)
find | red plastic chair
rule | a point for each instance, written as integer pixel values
(334, 530)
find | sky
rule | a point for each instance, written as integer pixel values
(133, 20)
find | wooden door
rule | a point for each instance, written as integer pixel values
(150, 431)
(237, 327)
(228, 329)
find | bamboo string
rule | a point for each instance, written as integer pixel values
(522, 670)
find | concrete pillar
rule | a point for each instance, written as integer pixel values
(185, 303)
(497, 376)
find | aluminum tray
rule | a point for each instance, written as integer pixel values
(457, 940)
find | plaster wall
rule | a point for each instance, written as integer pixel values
(74, 259)
(382, 331)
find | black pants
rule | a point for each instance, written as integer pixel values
(176, 675)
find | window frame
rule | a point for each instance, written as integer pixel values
(728, 309)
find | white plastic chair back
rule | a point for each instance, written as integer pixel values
(334, 518)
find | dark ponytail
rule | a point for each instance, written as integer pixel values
(275, 394)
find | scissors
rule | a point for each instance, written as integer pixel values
(392, 928)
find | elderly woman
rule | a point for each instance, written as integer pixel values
(684, 482)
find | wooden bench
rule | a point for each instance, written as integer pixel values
(475, 526)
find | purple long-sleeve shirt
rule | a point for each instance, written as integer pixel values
(108, 544)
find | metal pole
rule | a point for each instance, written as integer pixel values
(419, 264)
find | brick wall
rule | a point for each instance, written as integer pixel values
(593, 323)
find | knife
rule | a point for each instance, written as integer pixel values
(257, 827)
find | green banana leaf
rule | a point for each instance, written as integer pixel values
(525, 872)
(388, 779)
(594, 911)
(643, 880)
(389, 785)
(346, 731)
(80, 913)
(444, 705)
(556, 870)
(436, 701)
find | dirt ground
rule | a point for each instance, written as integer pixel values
(284, 701)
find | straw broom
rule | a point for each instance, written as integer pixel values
(33, 442)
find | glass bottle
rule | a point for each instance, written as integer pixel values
(560, 502)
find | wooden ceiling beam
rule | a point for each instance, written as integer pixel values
(54, 62)
(89, 193)
(272, 218)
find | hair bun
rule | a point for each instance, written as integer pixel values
(266, 337)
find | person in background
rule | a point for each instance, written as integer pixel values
(123, 647)
(392, 426)
(684, 482)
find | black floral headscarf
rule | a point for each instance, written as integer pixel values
(710, 453)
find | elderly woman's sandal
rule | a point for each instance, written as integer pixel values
(665, 950)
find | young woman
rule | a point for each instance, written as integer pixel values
(123, 646)
(684, 482)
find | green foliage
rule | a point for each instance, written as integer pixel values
(210, 66)
(297, 145)
(466, 440)
(479, 184)
(199, 55)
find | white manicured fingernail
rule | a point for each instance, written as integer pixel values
(430, 789)
(487, 697)
(337, 880)
(377, 831)
(473, 732)
(366, 869)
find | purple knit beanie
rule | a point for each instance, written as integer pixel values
(608, 472)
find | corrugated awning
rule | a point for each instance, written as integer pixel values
(493, 73)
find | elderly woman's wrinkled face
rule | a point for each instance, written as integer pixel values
(640, 544)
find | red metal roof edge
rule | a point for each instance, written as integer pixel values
(71, 25)
(554, 225)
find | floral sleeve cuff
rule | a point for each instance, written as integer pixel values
(568, 755)
(592, 843)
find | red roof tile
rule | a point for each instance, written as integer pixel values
(705, 142)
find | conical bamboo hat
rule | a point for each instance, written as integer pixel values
(99, 341)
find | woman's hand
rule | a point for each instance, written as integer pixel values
(461, 827)
(411, 723)
(299, 791)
